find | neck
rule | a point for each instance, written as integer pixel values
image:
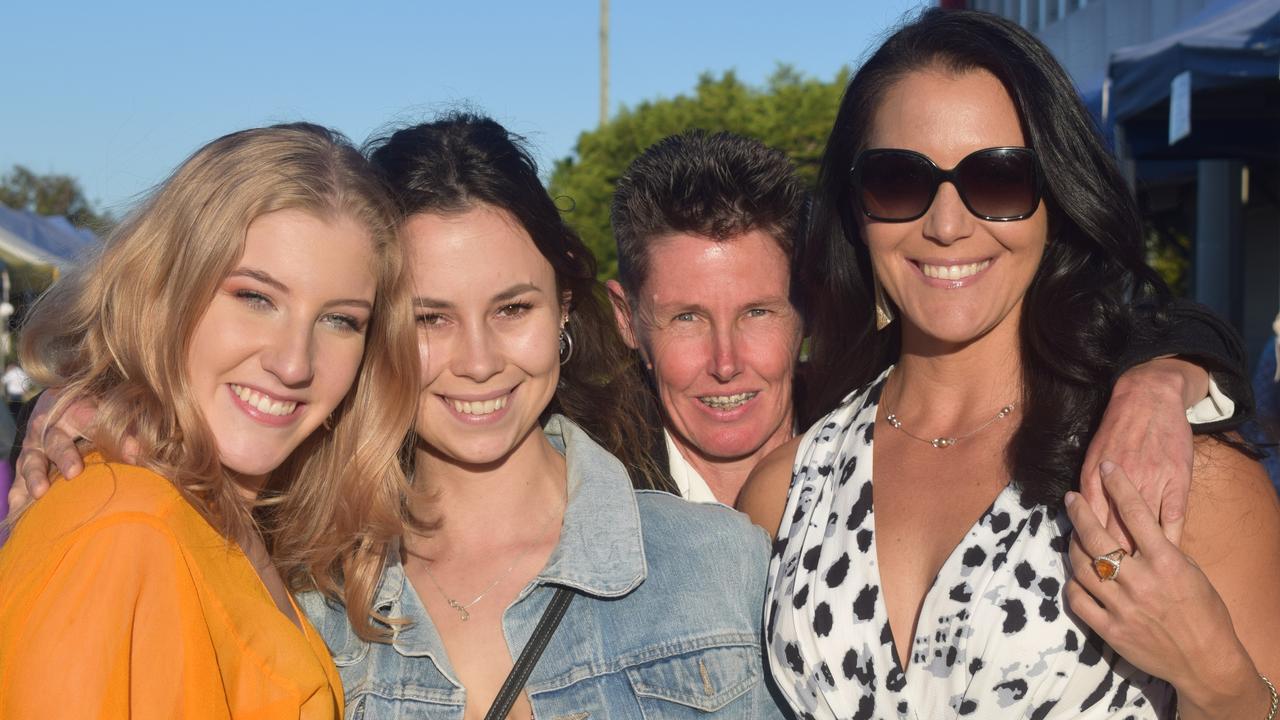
(946, 389)
(726, 476)
(250, 487)
(490, 504)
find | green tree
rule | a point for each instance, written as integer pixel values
(790, 112)
(52, 194)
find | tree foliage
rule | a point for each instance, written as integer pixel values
(52, 194)
(790, 112)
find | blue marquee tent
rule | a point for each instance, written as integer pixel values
(1232, 50)
(37, 238)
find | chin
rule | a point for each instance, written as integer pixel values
(259, 453)
(729, 444)
(960, 329)
(255, 465)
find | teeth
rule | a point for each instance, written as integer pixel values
(479, 407)
(954, 272)
(262, 403)
(726, 402)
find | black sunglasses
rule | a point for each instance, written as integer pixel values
(1000, 183)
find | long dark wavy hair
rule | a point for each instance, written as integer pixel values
(463, 160)
(1077, 312)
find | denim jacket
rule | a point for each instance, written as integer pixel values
(665, 622)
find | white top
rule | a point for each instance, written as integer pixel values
(994, 638)
(1213, 408)
(688, 481)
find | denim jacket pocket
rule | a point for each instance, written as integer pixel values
(693, 683)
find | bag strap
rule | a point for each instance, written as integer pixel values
(519, 675)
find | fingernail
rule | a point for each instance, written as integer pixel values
(1069, 498)
(1106, 467)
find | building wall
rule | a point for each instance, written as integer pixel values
(1083, 33)
(1236, 257)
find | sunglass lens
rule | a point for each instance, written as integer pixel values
(999, 184)
(895, 186)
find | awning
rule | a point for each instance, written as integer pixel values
(44, 240)
(1232, 50)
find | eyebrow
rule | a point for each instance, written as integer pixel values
(511, 292)
(266, 278)
(261, 276)
(772, 300)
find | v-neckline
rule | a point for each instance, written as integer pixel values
(874, 549)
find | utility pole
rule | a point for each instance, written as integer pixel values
(604, 61)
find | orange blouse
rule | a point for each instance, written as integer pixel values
(117, 599)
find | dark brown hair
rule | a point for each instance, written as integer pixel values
(464, 160)
(1077, 314)
(716, 186)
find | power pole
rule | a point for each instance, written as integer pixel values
(604, 61)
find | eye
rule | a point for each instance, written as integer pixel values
(685, 317)
(255, 299)
(513, 310)
(346, 323)
(429, 319)
(757, 312)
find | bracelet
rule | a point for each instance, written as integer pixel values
(1275, 700)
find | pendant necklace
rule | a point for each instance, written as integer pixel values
(944, 442)
(464, 608)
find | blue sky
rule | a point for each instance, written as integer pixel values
(118, 93)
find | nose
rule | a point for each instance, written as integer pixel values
(290, 356)
(948, 220)
(725, 361)
(477, 357)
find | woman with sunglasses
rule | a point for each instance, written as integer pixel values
(991, 248)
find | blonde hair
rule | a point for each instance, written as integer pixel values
(118, 329)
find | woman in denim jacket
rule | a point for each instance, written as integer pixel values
(513, 499)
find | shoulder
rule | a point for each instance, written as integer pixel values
(106, 492)
(1229, 489)
(764, 496)
(674, 526)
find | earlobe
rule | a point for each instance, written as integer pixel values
(622, 313)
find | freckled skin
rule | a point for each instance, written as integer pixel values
(714, 319)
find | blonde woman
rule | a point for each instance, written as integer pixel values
(246, 334)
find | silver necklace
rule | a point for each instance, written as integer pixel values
(943, 442)
(464, 608)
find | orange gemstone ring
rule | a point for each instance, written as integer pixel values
(1108, 566)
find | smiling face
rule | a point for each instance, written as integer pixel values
(714, 320)
(489, 321)
(280, 343)
(953, 276)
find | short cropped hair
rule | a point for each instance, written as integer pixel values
(718, 186)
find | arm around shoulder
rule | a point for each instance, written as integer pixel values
(764, 496)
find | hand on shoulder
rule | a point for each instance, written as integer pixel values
(1202, 616)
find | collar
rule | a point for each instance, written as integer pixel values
(601, 549)
(689, 482)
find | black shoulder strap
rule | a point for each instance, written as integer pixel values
(529, 656)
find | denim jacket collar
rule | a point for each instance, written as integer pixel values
(600, 552)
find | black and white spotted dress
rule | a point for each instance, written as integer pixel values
(993, 640)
